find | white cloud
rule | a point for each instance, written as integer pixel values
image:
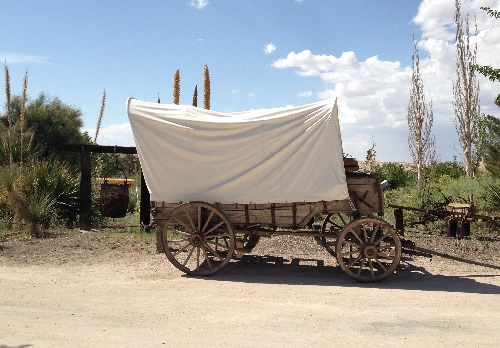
(235, 91)
(373, 94)
(198, 4)
(305, 94)
(270, 48)
(16, 58)
(115, 134)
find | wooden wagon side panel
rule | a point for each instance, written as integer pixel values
(286, 215)
(365, 193)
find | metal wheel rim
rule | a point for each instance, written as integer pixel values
(368, 250)
(198, 238)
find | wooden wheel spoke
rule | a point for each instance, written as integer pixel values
(206, 223)
(361, 266)
(381, 265)
(356, 235)
(376, 228)
(215, 227)
(382, 238)
(218, 244)
(209, 248)
(188, 257)
(365, 233)
(354, 261)
(183, 225)
(370, 265)
(182, 249)
(193, 227)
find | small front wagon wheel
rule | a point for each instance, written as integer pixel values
(198, 238)
(368, 250)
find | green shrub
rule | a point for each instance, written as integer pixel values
(396, 174)
(451, 169)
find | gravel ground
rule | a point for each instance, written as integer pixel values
(98, 289)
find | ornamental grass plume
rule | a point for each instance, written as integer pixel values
(206, 88)
(21, 120)
(9, 118)
(101, 113)
(177, 87)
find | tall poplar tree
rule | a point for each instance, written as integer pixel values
(466, 93)
(420, 119)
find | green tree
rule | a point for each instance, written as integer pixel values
(51, 123)
(492, 148)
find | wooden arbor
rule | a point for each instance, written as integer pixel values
(86, 181)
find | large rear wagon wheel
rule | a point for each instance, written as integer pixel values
(198, 238)
(368, 250)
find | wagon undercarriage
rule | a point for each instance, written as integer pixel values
(200, 238)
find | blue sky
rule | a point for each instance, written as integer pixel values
(261, 54)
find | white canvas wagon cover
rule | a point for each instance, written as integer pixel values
(258, 156)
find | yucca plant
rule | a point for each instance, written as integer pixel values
(195, 96)
(9, 119)
(177, 87)
(101, 113)
(206, 88)
(55, 180)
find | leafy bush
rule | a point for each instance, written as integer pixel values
(40, 193)
(396, 174)
(451, 169)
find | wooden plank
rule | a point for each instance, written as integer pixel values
(288, 215)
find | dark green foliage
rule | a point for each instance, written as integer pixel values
(492, 148)
(52, 124)
(451, 169)
(52, 179)
(396, 174)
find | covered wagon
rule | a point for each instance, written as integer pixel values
(220, 181)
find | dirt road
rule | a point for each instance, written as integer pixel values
(76, 296)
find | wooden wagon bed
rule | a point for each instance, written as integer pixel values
(365, 195)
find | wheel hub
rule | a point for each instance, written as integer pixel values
(369, 250)
(196, 239)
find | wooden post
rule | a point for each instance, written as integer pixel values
(145, 209)
(85, 189)
(398, 221)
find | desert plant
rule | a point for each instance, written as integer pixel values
(206, 88)
(9, 117)
(101, 113)
(177, 87)
(195, 96)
